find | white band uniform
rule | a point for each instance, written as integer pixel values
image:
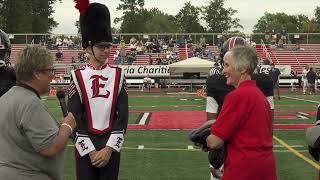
(84, 144)
(115, 141)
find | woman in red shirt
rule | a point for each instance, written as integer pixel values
(245, 122)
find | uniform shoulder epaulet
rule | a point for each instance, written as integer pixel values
(113, 66)
(81, 68)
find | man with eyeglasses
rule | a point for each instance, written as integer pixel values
(98, 99)
(7, 73)
(33, 144)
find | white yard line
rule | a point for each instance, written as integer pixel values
(144, 119)
(299, 99)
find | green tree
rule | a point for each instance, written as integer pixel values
(133, 16)
(188, 19)
(160, 23)
(28, 16)
(310, 27)
(293, 23)
(317, 15)
(218, 18)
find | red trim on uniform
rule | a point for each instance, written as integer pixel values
(115, 95)
(232, 42)
(85, 98)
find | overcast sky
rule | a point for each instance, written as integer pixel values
(249, 11)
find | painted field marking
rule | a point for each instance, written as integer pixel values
(144, 118)
(183, 99)
(198, 99)
(295, 152)
(190, 147)
(299, 99)
(141, 147)
(302, 117)
(280, 146)
(303, 113)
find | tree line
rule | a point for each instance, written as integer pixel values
(36, 16)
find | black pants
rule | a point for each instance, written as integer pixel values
(86, 171)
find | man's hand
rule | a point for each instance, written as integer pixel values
(101, 158)
(92, 154)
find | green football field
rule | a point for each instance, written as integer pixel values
(167, 154)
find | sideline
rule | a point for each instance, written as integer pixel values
(299, 99)
(188, 148)
(295, 152)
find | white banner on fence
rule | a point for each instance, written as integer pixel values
(144, 70)
(284, 69)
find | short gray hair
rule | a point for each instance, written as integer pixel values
(246, 58)
(30, 59)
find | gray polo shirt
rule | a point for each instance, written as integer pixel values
(27, 127)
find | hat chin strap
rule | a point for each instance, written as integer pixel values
(93, 53)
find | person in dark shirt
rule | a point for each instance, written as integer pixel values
(7, 73)
(275, 73)
(59, 55)
(311, 77)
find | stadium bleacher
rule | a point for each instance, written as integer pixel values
(298, 59)
(309, 54)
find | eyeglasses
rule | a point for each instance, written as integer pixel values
(103, 46)
(52, 70)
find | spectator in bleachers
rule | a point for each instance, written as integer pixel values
(170, 60)
(203, 41)
(59, 55)
(148, 45)
(267, 36)
(273, 37)
(140, 48)
(280, 43)
(304, 79)
(158, 60)
(122, 44)
(150, 60)
(131, 57)
(275, 73)
(284, 35)
(297, 48)
(58, 42)
(65, 42)
(72, 60)
(70, 43)
(311, 77)
(164, 60)
(221, 40)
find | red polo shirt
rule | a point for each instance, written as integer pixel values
(245, 125)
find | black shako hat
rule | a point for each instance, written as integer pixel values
(95, 25)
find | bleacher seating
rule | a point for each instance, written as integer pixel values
(298, 59)
(284, 56)
(67, 53)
